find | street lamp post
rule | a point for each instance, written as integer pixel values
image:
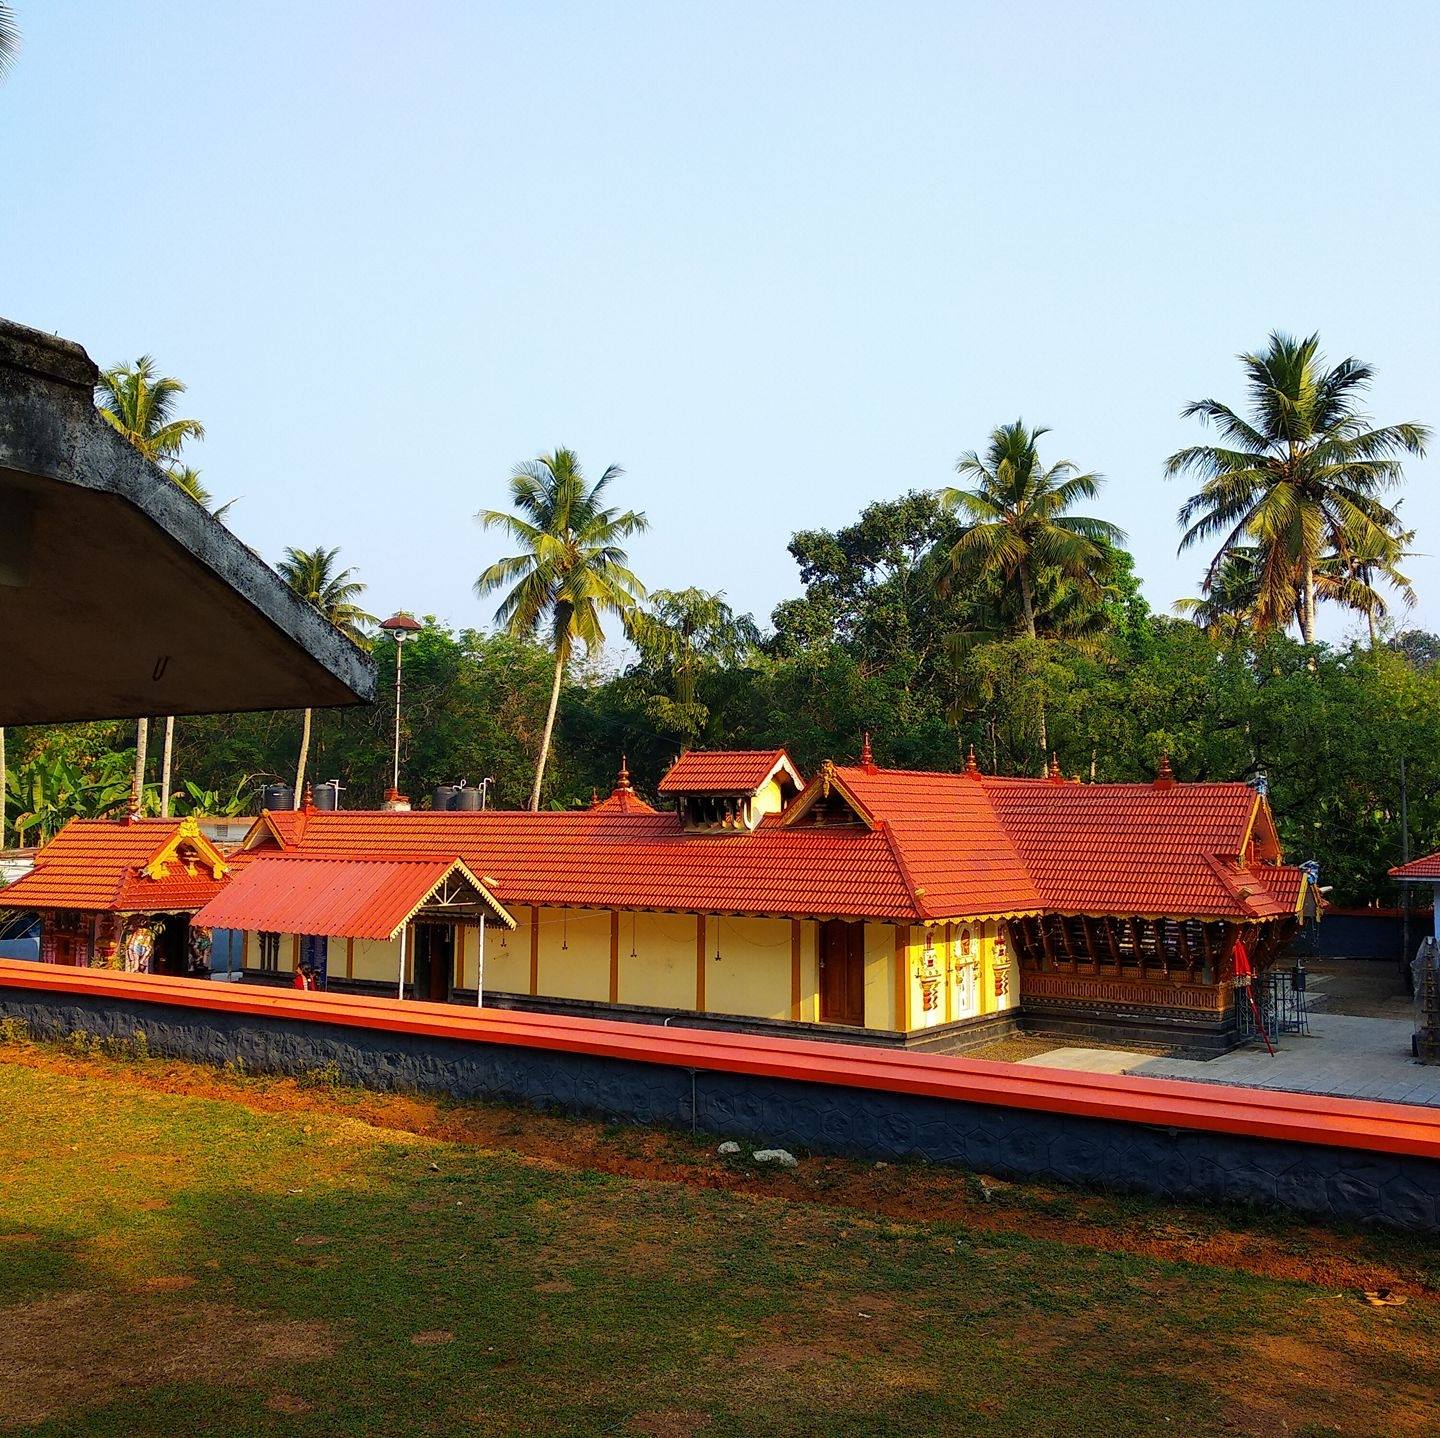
(401, 628)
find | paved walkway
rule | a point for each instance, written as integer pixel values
(1343, 1055)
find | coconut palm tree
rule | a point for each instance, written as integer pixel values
(571, 570)
(1352, 577)
(9, 38)
(140, 405)
(1020, 531)
(189, 480)
(1301, 476)
(313, 575)
(1020, 537)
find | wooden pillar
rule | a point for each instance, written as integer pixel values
(699, 963)
(795, 996)
(349, 958)
(614, 956)
(902, 978)
(1112, 942)
(535, 948)
(1187, 953)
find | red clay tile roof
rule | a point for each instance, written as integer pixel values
(357, 897)
(1425, 867)
(640, 860)
(724, 771)
(958, 856)
(622, 799)
(94, 865)
(934, 846)
(1286, 883)
(1141, 849)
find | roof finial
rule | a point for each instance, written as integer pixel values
(867, 755)
(622, 779)
(1165, 776)
(971, 767)
(1054, 770)
(309, 795)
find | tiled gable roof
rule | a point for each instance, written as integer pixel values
(96, 865)
(960, 859)
(642, 860)
(722, 771)
(931, 846)
(1143, 849)
(358, 897)
(1425, 867)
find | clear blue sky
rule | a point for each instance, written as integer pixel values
(775, 260)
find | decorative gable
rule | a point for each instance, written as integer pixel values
(189, 851)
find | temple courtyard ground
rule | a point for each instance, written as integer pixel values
(186, 1252)
(1358, 1046)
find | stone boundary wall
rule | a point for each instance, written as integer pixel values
(1333, 1182)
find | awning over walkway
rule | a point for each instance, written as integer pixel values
(119, 594)
(350, 898)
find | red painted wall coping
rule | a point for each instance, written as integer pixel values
(1166, 1103)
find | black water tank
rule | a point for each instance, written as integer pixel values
(468, 799)
(327, 795)
(443, 797)
(277, 796)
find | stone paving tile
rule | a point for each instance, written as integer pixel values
(1343, 1055)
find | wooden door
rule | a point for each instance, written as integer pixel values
(435, 961)
(842, 973)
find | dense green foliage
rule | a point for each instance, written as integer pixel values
(992, 616)
(863, 648)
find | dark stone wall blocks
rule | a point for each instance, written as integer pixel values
(1348, 1185)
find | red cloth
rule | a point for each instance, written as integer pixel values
(302, 980)
(1242, 960)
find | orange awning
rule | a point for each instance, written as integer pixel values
(347, 898)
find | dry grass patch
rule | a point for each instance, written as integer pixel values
(77, 1350)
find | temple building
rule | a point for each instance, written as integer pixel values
(877, 905)
(121, 893)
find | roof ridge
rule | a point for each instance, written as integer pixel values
(922, 909)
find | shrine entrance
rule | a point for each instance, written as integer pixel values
(842, 973)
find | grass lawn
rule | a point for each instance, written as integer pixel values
(188, 1253)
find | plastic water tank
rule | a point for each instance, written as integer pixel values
(443, 797)
(327, 795)
(467, 799)
(277, 796)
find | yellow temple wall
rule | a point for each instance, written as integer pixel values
(661, 970)
(574, 954)
(809, 1007)
(748, 967)
(657, 960)
(377, 960)
(880, 991)
(507, 955)
(769, 799)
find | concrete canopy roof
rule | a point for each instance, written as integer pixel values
(122, 597)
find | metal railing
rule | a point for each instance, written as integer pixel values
(1280, 995)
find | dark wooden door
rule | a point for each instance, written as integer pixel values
(842, 973)
(434, 961)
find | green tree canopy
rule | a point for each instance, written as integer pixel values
(1300, 478)
(571, 570)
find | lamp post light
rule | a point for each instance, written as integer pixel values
(401, 628)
